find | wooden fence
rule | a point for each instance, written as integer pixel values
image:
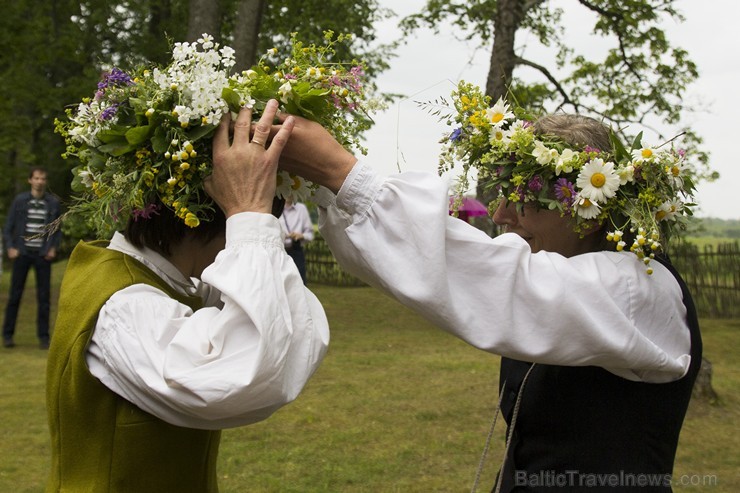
(712, 274)
(322, 268)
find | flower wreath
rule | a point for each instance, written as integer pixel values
(147, 134)
(643, 190)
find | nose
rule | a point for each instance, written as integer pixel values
(505, 214)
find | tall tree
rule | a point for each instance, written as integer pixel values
(246, 37)
(204, 16)
(652, 73)
(53, 52)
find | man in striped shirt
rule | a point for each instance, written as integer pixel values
(28, 245)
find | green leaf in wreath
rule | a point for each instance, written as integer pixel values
(117, 148)
(159, 141)
(200, 131)
(112, 134)
(232, 98)
(138, 135)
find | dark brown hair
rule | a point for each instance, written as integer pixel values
(163, 228)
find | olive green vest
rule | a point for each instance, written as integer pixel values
(100, 442)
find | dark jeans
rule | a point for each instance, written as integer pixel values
(21, 266)
(299, 257)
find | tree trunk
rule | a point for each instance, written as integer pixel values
(246, 33)
(204, 16)
(703, 389)
(508, 18)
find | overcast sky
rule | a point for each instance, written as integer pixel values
(407, 138)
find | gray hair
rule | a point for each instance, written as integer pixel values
(576, 130)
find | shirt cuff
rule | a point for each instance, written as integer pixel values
(253, 227)
(359, 190)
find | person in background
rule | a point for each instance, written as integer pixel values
(168, 334)
(599, 353)
(298, 228)
(29, 246)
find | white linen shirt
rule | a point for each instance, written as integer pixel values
(251, 349)
(597, 309)
(296, 219)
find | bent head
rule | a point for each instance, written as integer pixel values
(162, 230)
(550, 230)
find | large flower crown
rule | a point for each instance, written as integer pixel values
(146, 134)
(642, 193)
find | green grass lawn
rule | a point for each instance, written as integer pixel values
(397, 406)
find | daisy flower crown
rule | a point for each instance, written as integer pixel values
(145, 136)
(642, 194)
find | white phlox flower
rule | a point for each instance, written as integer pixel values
(285, 90)
(597, 181)
(565, 161)
(626, 174)
(499, 113)
(202, 75)
(543, 154)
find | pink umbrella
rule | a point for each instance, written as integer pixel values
(470, 207)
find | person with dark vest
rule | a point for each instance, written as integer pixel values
(30, 245)
(598, 334)
(168, 334)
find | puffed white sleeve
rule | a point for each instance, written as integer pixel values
(217, 367)
(598, 309)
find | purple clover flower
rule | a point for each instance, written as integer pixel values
(591, 149)
(535, 184)
(146, 213)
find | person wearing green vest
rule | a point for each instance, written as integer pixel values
(168, 334)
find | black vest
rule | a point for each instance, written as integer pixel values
(583, 429)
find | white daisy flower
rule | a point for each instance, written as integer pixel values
(668, 210)
(643, 154)
(500, 136)
(674, 172)
(597, 181)
(293, 186)
(586, 208)
(499, 113)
